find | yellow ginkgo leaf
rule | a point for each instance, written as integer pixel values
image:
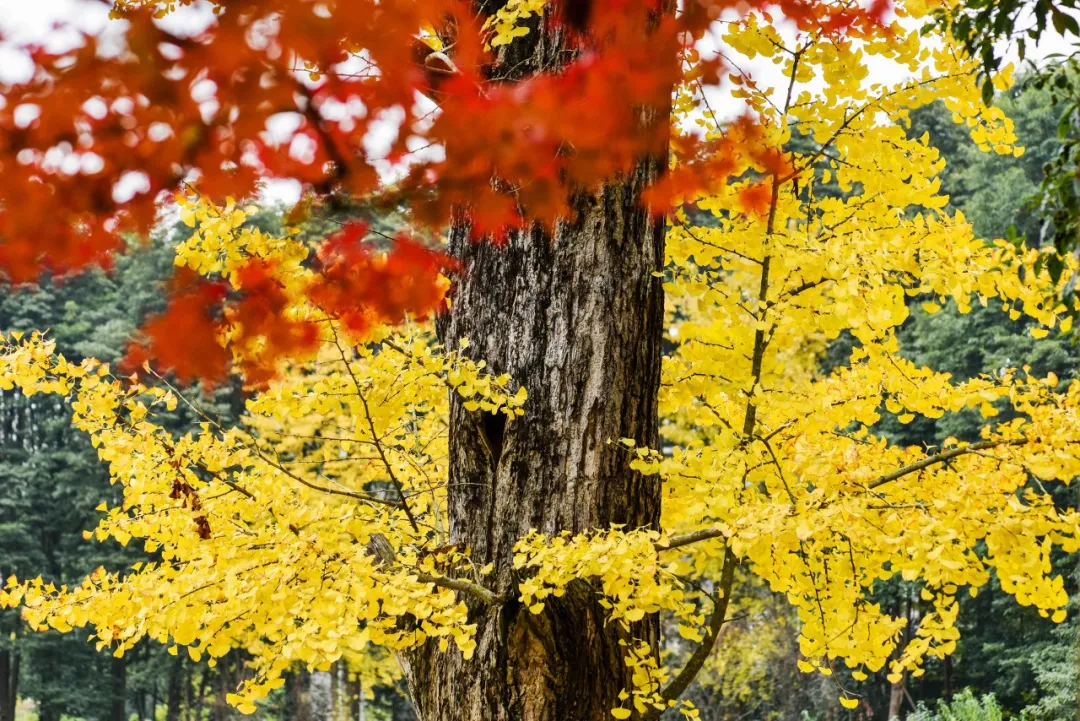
(849, 702)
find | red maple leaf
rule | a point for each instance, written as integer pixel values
(363, 288)
(756, 199)
(264, 332)
(184, 339)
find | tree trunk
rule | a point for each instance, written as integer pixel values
(189, 700)
(9, 683)
(5, 695)
(117, 689)
(577, 319)
(174, 694)
(896, 699)
(200, 698)
(299, 695)
(356, 699)
(48, 712)
(335, 691)
(225, 686)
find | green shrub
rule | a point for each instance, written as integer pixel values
(964, 707)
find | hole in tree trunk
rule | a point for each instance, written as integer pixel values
(494, 425)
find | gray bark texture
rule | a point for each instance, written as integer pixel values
(577, 318)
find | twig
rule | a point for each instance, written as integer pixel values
(375, 435)
(459, 584)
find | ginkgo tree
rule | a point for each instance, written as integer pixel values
(483, 459)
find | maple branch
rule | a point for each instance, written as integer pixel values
(942, 457)
(720, 600)
(312, 115)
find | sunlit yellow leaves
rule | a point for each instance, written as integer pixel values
(624, 564)
(819, 507)
(252, 520)
(690, 633)
(508, 22)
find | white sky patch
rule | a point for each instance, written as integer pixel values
(131, 183)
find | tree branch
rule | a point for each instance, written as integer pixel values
(199, 411)
(379, 547)
(461, 585)
(720, 600)
(374, 434)
(688, 538)
(942, 457)
(706, 534)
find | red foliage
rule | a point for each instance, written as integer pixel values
(173, 109)
(755, 199)
(184, 339)
(203, 327)
(263, 332)
(361, 288)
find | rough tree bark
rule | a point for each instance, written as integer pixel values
(577, 318)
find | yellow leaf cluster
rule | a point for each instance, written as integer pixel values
(324, 513)
(507, 22)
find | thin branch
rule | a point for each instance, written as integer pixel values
(375, 435)
(459, 584)
(720, 600)
(471, 415)
(780, 472)
(942, 457)
(686, 539)
(198, 410)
